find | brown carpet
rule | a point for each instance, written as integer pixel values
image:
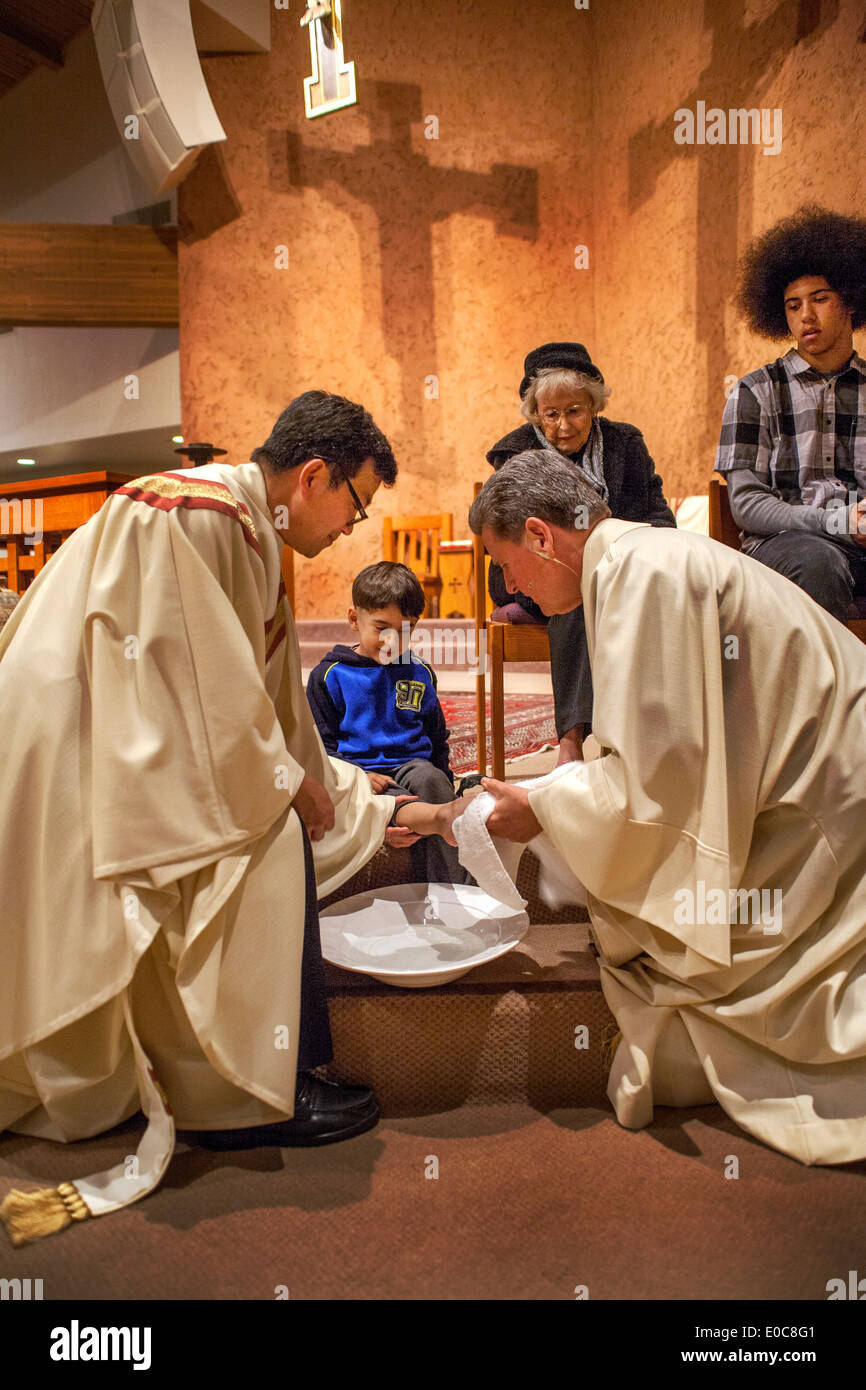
(526, 1206)
(529, 1202)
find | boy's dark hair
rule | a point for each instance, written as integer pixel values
(319, 425)
(378, 586)
(811, 242)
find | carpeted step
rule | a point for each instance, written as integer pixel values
(530, 1027)
(516, 1031)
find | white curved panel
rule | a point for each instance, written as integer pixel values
(151, 70)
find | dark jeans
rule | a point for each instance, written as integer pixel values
(830, 573)
(569, 656)
(315, 1046)
(433, 860)
(570, 672)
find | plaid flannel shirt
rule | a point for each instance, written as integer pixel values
(802, 432)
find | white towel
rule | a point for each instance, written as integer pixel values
(493, 862)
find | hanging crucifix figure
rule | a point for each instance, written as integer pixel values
(332, 83)
(317, 10)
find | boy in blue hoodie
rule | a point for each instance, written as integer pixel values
(376, 705)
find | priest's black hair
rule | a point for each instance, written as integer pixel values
(378, 586)
(320, 425)
(813, 241)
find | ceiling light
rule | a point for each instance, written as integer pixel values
(177, 439)
(28, 463)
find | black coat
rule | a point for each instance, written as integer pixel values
(636, 494)
(635, 488)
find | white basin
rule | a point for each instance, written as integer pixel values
(419, 934)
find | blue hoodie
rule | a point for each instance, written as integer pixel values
(376, 716)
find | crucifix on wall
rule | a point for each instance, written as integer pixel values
(332, 83)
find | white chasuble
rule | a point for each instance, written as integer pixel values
(155, 732)
(721, 838)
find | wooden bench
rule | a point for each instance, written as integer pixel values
(723, 528)
(50, 509)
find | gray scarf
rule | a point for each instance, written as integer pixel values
(591, 466)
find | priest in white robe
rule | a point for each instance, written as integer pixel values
(163, 780)
(721, 834)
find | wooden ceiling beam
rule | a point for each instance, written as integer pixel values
(30, 48)
(65, 275)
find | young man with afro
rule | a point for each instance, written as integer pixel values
(793, 440)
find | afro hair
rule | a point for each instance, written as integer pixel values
(811, 242)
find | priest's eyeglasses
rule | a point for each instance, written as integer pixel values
(573, 414)
(359, 506)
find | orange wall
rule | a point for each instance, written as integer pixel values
(409, 257)
(412, 257)
(671, 221)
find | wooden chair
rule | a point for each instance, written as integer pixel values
(483, 608)
(509, 642)
(414, 541)
(496, 643)
(723, 528)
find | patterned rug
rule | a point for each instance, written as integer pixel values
(529, 727)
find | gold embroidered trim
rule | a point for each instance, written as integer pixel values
(164, 486)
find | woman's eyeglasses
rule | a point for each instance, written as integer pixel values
(573, 414)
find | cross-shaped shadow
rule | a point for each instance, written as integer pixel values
(409, 194)
(724, 180)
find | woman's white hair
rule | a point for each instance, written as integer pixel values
(562, 379)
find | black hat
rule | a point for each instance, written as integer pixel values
(572, 356)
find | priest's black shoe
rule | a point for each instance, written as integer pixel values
(325, 1113)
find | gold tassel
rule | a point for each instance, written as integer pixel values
(609, 1044)
(32, 1215)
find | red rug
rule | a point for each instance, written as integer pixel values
(529, 726)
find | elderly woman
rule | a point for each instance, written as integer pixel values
(562, 394)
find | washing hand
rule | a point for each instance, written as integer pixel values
(512, 818)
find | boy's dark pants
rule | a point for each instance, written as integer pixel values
(315, 1047)
(433, 861)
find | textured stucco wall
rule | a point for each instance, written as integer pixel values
(671, 221)
(409, 257)
(61, 161)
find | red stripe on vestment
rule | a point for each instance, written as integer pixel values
(281, 594)
(278, 639)
(232, 508)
